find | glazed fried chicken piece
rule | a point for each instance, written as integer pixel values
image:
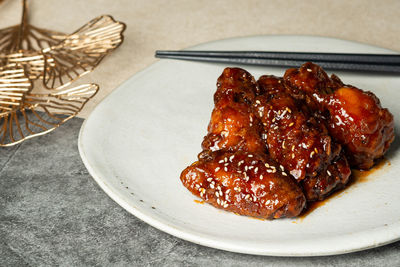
(299, 142)
(354, 117)
(293, 136)
(233, 126)
(358, 121)
(244, 183)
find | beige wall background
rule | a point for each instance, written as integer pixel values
(161, 24)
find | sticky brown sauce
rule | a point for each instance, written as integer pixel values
(357, 176)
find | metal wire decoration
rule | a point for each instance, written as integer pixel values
(29, 54)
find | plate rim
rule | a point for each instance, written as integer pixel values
(380, 239)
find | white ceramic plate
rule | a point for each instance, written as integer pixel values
(138, 140)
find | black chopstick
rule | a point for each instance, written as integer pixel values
(357, 62)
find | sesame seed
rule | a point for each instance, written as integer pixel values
(225, 205)
(284, 174)
(269, 171)
(247, 196)
(227, 191)
(267, 202)
(251, 167)
(328, 172)
(293, 147)
(240, 162)
(309, 70)
(312, 154)
(291, 124)
(216, 193)
(251, 119)
(292, 155)
(258, 102)
(221, 161)
(225, 169)
(217, 169)
(254, 198)
(212, 186)
(267, 165)
(261, 177)
(273, 120)
(260, 113)
(226, 164)
(209, 179)
(226, 159)
(276, 127)
(231, 158)
(283, 144)
(197, 186)
(219, 188)
(316, 150)
(218, 201)
(246, 168)
(256, 170)
(250, 155)
(288, 110)
(282, 168)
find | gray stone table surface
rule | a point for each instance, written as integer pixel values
(53, 213)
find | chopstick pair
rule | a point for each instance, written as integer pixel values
(389, 63)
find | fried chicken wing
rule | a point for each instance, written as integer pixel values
(297, 141)
(245, 183)
(293, 136)
(233, 126)
(354, 117)
(358, 121)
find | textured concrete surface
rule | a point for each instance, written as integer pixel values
(53, 213)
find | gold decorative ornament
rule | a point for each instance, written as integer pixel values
(29, 54)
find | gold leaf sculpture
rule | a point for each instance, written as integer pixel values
(81, 51)
(28, 53)
(24, 114)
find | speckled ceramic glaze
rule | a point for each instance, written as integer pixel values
(138, 140)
